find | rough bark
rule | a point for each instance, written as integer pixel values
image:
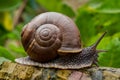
(15, 71)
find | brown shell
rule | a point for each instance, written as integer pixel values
(49, 35)
(48, 39)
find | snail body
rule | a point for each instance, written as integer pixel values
(53, 40)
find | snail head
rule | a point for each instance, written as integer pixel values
(92, 49)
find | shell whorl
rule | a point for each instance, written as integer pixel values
(48, 34)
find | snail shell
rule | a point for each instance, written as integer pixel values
(49, 35)
(52, 40)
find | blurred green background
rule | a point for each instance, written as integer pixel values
(93, 17)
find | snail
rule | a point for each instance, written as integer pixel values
(52, 40)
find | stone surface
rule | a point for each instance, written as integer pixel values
(15, 71)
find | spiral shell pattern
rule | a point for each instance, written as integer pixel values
(48, 34)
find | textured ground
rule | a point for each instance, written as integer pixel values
(15, 71)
